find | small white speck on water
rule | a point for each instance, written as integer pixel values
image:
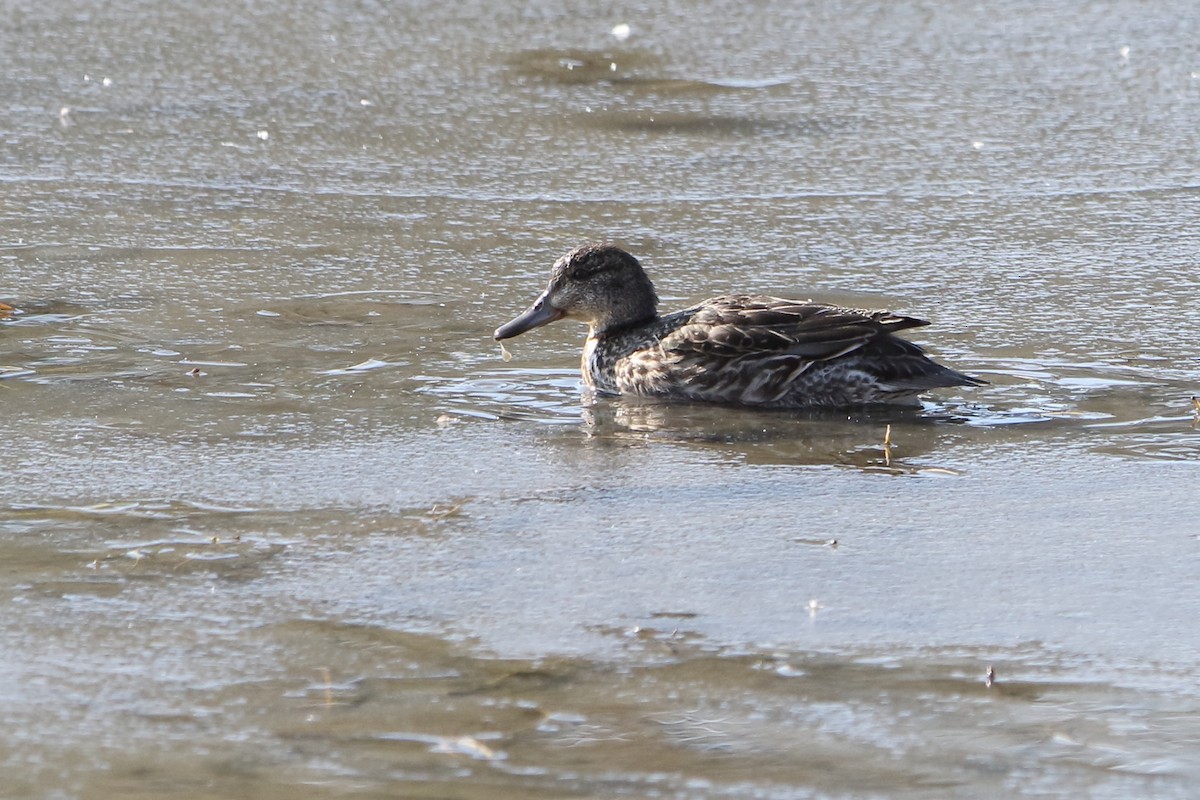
(621, 32)
(264, 135)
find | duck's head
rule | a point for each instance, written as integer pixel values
(599, 284)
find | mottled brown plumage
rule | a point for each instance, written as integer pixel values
(747, 349)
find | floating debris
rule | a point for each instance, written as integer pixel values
(445, 510)
(466, 746)
(326, 686)
(621, 32)
(989, 677)
(362, 366)
(449, 745)
(817, 542)
(940, 471)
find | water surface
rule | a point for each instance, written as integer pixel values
(276, 516)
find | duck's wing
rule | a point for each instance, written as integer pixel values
(726, 328)
(761, 351)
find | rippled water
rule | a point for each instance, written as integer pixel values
(278, 518)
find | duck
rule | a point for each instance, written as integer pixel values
(744, 350)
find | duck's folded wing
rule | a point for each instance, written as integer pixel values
(733, 327)
(759, 350)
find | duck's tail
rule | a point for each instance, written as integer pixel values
(901, 366)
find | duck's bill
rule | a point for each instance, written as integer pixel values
(539, 314)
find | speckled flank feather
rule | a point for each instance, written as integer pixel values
(745, 349)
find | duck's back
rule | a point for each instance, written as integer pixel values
(768, 351)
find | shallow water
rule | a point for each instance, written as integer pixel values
(276, 516)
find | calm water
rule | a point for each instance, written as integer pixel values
(277, 520)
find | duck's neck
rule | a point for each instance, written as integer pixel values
(637, 306)
(611, 327)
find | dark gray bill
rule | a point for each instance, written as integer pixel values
(539, 314)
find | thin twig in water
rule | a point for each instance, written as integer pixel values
(327, 677)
